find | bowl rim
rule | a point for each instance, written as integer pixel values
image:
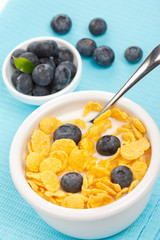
(86, 214)
(36, 99)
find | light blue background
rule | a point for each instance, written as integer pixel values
(129, 23)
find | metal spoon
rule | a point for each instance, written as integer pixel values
(152, 61)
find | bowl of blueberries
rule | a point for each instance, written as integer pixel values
(42, 68)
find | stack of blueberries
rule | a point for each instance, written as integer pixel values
(53, 68)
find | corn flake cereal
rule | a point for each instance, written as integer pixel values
(47, 162)
(87, 145)
(51, 164)
(74, 201)
(137, 133)
(33, 161)
(50, 180)
(119, 115)
(66, 145)
(77, 159)
(139, 169)
(33, 185)
(135, 149)
(62, 156)
(92, 106)
(80, 123)
(103, 116)
(48, 125)
(41, 143)
(99, 200)
(137, 123)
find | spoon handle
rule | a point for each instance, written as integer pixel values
(152, 61)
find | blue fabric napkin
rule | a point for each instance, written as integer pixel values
(129, 23)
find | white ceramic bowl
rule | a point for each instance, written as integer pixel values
(85, 223)
(8, 70)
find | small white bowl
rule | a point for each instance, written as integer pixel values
(8, 70)
(85, 223)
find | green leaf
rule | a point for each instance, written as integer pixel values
(23, 64)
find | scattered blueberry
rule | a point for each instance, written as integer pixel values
(63, 55)
(133, 54)
(24, 83)
(43, 74)
(30, 56)
(46, 48)
(14, 77)
(104, 56)
(16, 54)
(71, 182)
(61, 24)
(68, 131)
(122, 175)
(49, 61)
(97, 26)
(62, 77)
(71, 66)
(40, 91)
(108, 145)
(86, 47)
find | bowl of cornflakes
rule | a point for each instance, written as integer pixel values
(87, 181)
(41, 69)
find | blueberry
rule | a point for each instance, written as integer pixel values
(40, 91)
(71, 66)
(16, 54)
(71, 182)
(104, 56)
(43, 74)
(63, 55)
(14, 77)
(30, 56)
(46, 48)
(108, 145)
(24, 83)
(133, 54)
(97, 26)
(86, 47)
(68, 131)
(62, 77)
(61, 24)
(53, 90)
(122, 175)
(49, 61)
(31, 46)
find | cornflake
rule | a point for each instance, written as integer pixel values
(48, 125)
(41, 143)
(47, 160)
(92, 106)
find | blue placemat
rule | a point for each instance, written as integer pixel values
(129, 23)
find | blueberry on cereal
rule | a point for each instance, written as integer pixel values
(108, 145)
(71, 182)
(68, 131)
(122, 175)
